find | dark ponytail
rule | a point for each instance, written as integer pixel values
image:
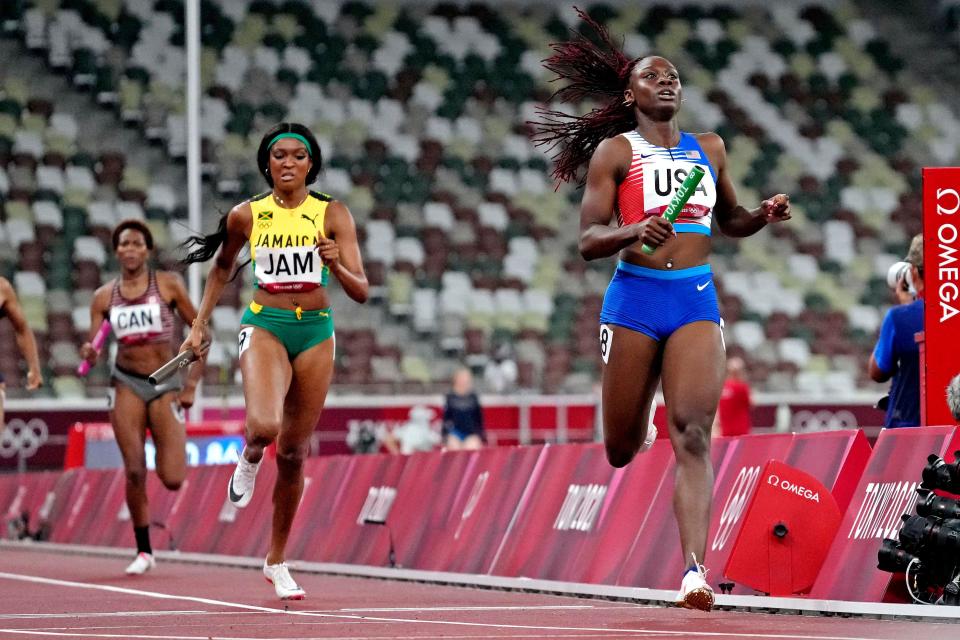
(590, 69)
(205, 247)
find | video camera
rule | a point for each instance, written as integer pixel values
(928, 547)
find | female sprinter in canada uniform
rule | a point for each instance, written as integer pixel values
(139, 304)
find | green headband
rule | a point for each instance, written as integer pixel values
(295, 136)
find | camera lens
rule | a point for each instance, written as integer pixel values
(892, 557)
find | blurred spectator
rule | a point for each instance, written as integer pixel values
(462, 415)
(733, 412)
(953, 397)
(363, 437)
(414, 435)
(896, 355)
(500, 374)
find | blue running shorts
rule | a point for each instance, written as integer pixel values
(657, 303)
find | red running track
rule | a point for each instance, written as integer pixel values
(60, 595)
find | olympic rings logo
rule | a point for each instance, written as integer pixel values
(23, 438)
(823, 420)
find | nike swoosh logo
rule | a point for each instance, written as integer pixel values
(234, 496)
(700, 287)
(647, 155)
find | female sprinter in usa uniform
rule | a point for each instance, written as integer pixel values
(660, 320)
(139, 304)
(297, 238)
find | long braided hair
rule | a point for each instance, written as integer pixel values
(590, 69)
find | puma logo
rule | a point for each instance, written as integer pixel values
(701, 287)
(312, 220)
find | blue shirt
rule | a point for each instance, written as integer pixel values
(898, 353)
(462, 415)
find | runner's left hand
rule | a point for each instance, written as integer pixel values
(186, 397)
(329, 252)
(776, 209)
(34, 380)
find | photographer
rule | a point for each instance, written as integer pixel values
(953, 397)
(896, 356)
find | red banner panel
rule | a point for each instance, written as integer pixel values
(941, 284)
(339, 531)
(835, 458)
(655, 560)
(887, 489)
(423, 527)
(604, 541)
(27, 500)
(201, 519)
(94, 510)
(786, 532)
(487, 499)
(325, 478)
(563, 504)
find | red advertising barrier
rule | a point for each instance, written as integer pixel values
(28, 498)
(325, 480)
(737, 479)
(201, 519)
(563, 504)
(425, 515)
(337, 530)
(887, 489)
(556, 512)
(655, 560)
(582, 515)
(941, 284)
(835, 458)
(786, 532)
(468, 536)
(92, 509)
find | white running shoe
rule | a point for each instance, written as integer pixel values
(141, 564)
(695, 593)
(240, 487)
(279, 576)
(650, 439)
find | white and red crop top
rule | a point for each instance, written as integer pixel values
(146, 319)
(656, 173)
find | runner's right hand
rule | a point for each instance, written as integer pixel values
(197, 340)
(654, 231)
(88, 353)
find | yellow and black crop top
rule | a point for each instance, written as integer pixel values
(283, 244)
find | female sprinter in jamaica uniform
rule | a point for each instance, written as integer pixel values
(297, 238)
(660, 321)
(139, 304)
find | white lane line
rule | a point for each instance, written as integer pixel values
(92, 614)
(547, 607)
(250, 607)
(609, 634)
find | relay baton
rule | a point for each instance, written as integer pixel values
(97, 343)
(680, 198)
(178, 362)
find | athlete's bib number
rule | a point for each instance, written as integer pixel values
(288, 268)
(135, 321)
(244, 340)
(606, 342)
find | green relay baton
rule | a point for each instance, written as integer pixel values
(680, 198)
